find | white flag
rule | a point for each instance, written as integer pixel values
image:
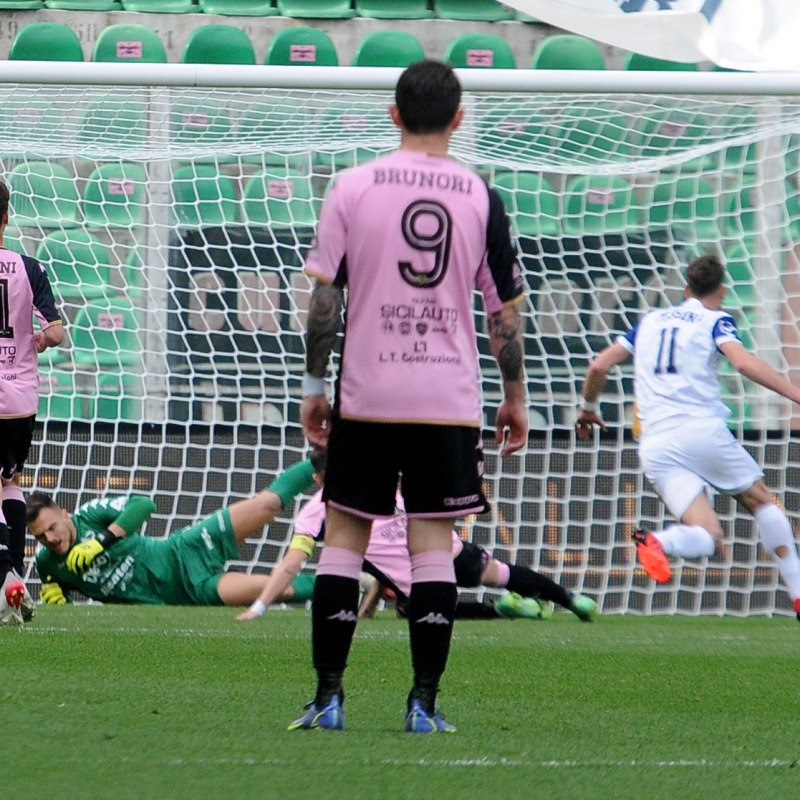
(757, 35)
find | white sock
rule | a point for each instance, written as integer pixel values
(775, 531)
(686, 541)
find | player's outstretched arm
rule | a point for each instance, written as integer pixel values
(759, 371)
(279, 581)
(593, 384)
(505, 338)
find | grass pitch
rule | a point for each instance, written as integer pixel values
(172, 703)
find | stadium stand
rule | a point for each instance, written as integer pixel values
(483, 10)
(130, 44)
(43, 195)
(316, 9)
(302, 46)
(218, 44)
(46, 41)
(567, 51)
(394, 9)
(388, 49)
(479, 50)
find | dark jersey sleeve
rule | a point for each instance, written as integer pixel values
(43, 298)
(501, 253)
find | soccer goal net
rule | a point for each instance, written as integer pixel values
(172, 209)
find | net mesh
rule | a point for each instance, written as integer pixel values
(173, 224)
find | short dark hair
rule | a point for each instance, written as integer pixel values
(36, 503)
(5, 196)
(427, 96)
(704, 275)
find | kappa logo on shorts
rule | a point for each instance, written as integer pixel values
(207, 539)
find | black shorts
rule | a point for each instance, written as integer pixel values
(16, 436)
(440, 469)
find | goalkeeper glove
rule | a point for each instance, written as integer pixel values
(82, 554)
(52, 594)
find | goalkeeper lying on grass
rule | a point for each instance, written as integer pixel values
(98, 551)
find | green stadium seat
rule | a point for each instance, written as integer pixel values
(742, 275)
(135, 276)
(354, 133)
(58, 393)
(388, 49)
(302, 47)
(29, 119)
(531, 202)
(591, 135)
(13, 240)
(112, 123)
(278, 125)
(203, 197)
(202, 123)
(480, 51)
(683, 207)
(105, 335)
(160, 6)
(511, 129)
(21, 5)
(120, 397)
(597, 205)
(637, 61)
(280, 198)
(46, 41)
(78, 264)
(740, 212)
(316, 9)
(665, 131)
(115, 196)
(394, 9)
(472, 10)
(239, 8)
(218, 44)
(567, 51)
(130, 44)
(43, 195)
(84, 5)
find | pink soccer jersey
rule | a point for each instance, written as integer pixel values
(411, 236)
(388, 542)
(24, 291)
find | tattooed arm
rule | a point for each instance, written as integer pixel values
(505, 338)
(324, 324)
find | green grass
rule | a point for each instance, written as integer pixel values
(137, 702)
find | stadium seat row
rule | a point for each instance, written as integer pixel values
(227, 44)
(478, 10)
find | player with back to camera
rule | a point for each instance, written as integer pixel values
(97, 550)
(685, 445)
(410, 236)
(25, 292)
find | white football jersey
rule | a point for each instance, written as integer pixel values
(676, 356)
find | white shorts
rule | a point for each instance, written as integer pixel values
(684, 461)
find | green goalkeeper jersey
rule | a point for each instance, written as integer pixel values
(141, 569)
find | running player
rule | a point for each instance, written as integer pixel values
(685, 446)
(410, 236)
(25, 292)
(98, 552)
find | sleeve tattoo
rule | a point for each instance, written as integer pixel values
(505, 336)
(324, 324)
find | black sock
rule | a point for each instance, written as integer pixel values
(334, 614)
(14, 512)
(6, 564)
(528, 583)
(431, 610)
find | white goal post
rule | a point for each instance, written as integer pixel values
(172, 206)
